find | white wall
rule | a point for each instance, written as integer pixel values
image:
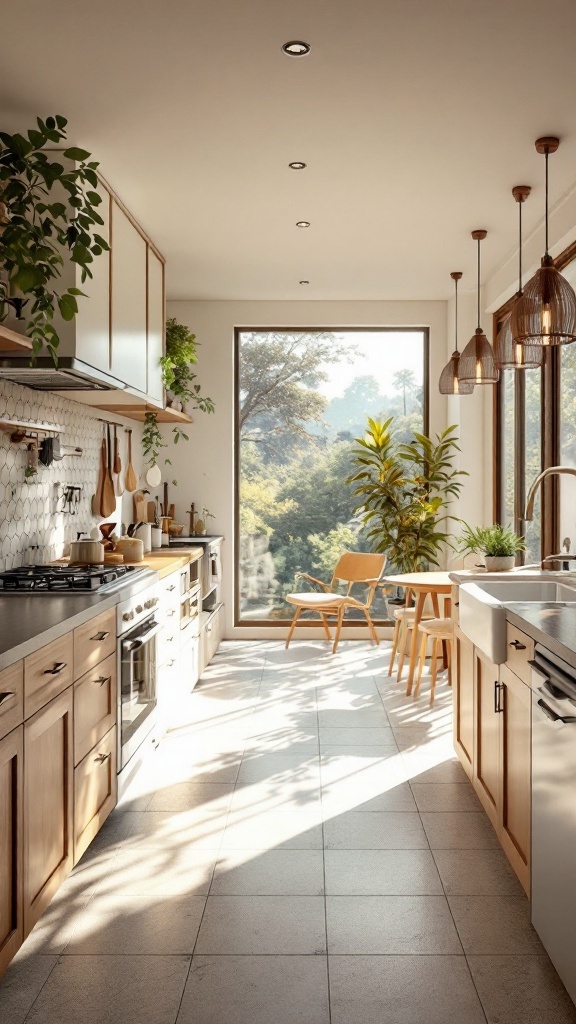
(204, 467)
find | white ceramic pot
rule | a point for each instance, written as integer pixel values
(156, 537)
(132, 548)
(499, 563)
(86, 552)
(144, 532)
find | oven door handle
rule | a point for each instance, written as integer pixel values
(554, 716)
(139, 641)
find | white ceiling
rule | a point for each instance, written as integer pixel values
(415, 117)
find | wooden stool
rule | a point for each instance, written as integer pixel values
(439, 631)
(404, 623)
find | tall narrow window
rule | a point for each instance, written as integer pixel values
(302, 399)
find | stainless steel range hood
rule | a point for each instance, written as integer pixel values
(71, 374)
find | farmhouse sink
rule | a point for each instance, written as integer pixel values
(482, 610)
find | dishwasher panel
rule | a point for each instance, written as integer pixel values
(554, 814)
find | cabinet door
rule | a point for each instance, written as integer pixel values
(95, 706)
(487, 764)
(94, 641)
(170, 694)
(11, 697)
(11, 806)
(463, 699)
(95, 791)
(48, 836)
(128, 312)
(155, 347)
(47, 673)
(93, 320)
(515, 759)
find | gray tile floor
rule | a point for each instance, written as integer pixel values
(304, 848)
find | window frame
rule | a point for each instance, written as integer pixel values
(550, 418)
(238, 331)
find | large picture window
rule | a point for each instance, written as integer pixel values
(302, 398)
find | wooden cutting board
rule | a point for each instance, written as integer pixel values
(140, 507)
(151, 511)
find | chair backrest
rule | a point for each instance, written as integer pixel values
(359, 566)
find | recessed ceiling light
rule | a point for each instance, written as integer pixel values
(303, 282)
(297, 165)
(296, 48)
(302, 223)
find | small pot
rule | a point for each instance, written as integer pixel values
(499, 563)
(86, 552)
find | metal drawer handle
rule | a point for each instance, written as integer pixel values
(101, 680)
(517, 645)
(6, 696)
(100, 636)
(566, 719)
(171, 611)
(101, 758)
(498, 690)
(59, 666)
(170, 589)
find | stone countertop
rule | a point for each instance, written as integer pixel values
(521, 575)
(552, 625)
(165, 561)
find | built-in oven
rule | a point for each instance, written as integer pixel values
(138, 629)
(190, 606)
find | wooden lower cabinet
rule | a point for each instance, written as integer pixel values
(11, 845)
(487, 766)
(463, 697)
(48, 804)
(95, 791)
(515, 752)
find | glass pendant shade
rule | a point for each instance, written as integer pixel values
(477, 364)
(515, 355)
(450, 383)
(546, 312)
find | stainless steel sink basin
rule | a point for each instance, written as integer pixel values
(483, 608)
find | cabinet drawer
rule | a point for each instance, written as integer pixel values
(168, 643)
(520, 649)
(11, 697)
(95, 708)
(95, 791)
(47, 673)
(94, 641)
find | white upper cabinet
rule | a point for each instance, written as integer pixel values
(155, 325)
(128, 302)
(93, 320)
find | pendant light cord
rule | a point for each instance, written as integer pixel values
(546, 155)
(456, 314)
(520, 246)
(478, 282)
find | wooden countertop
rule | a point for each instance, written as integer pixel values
(163, 561)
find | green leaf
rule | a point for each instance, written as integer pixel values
(26, 278)
(68, 306)
(94, 198)
(61, 121)
(75, 153)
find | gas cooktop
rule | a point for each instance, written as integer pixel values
(51, 579)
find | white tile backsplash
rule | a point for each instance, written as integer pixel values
(29, 511)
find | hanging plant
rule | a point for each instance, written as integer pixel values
(152, 440)
(35, 230)
(177, 373)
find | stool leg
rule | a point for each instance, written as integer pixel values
(397, 626)
(449, 654)
(433, 668)
(293, 626)
(423, 647)
(325, 624)
(402, 646)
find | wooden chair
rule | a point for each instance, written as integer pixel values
(403, 625)
(439, 631)
(354, 567)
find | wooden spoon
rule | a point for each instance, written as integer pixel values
(117, 467)
(97, 499)
(108, 504)
(130, 480)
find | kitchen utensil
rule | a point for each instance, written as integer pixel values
(118, 485)
(46, 455)
(151, 507)
(165, 521)
(86, 552)
(175, 529)
(153, 476)
(106, 529)
(140, 507)
(130, 480)
(156, 537)
(144, 532)
(31, 461)
(108, 503)
(97, 499)
(165, 502)
(171, 511)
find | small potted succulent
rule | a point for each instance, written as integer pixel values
(498, 544)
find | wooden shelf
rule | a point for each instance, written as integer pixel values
(11, 341)
(138, 412)
(13, 426)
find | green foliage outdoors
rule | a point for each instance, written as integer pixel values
(46, 210)
(403, 492)
(177, 373)
(494, 541)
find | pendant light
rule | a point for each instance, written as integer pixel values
(477, 360)
(449, 382)
(546, 313)
(517, 355)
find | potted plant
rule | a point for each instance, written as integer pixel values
(498, 544)
(46, 210)
(404, 492)
(177, 373)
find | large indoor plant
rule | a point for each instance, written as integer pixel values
(403, 494)
(498, 544)
(47, 211)
(177, 373)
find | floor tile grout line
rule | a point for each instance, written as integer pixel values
(42, 987)
(324, 874)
